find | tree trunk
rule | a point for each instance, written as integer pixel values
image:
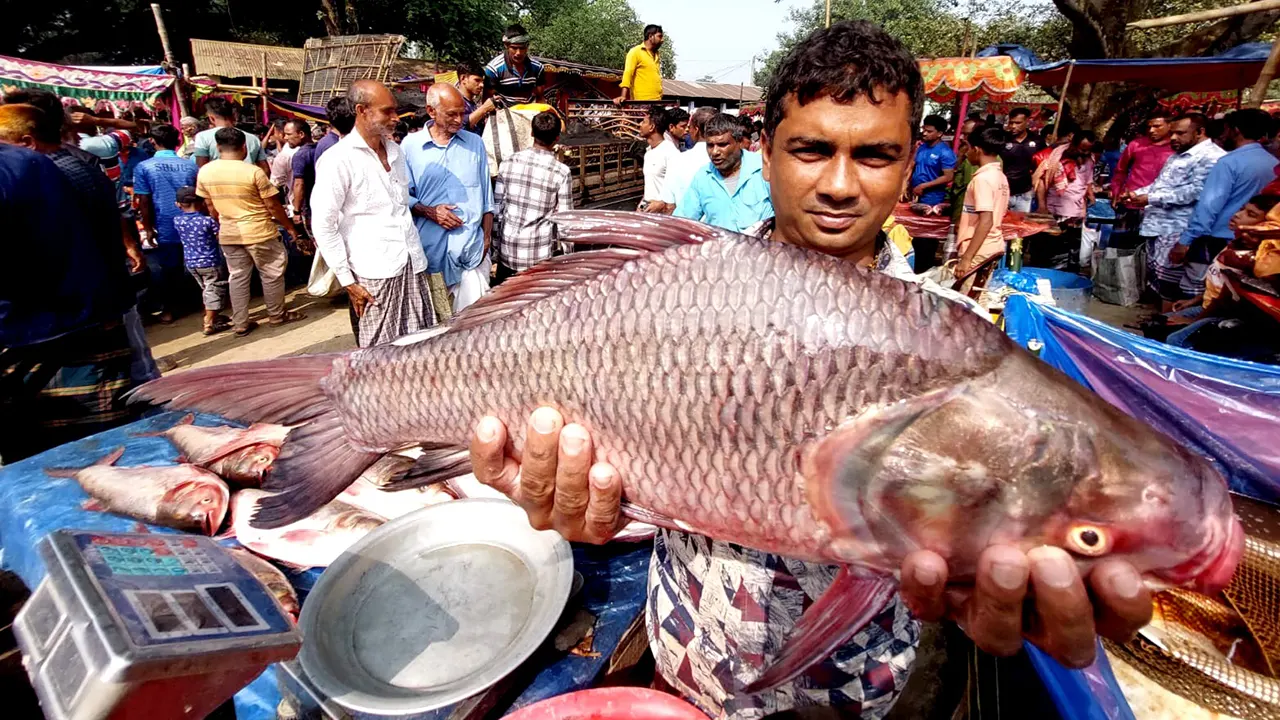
(332, 20)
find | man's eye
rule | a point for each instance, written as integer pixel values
(805, 154)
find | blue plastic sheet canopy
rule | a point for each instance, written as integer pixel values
(1236, 68)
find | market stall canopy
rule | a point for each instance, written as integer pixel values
(982, 77)
(135, 69)
(82, 83)
(1236, 68)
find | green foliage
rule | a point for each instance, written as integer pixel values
(934, 28)
(593, 32)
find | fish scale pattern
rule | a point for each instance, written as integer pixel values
(704, 372)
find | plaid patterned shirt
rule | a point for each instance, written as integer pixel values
(530, 186)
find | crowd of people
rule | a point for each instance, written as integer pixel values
(407, 218)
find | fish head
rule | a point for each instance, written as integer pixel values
(251, 462)
(1026, 457)
(198, 503)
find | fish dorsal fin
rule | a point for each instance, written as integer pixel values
(630, 235)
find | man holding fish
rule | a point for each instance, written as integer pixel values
(839, 132)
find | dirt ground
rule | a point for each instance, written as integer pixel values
(327, 328)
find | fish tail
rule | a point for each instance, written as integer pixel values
(317, 460)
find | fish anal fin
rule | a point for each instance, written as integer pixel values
(657, 519)
(849, 604)
(316, 463)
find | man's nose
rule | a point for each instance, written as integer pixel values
(839, 182)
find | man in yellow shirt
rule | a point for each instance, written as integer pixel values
(247, 208)
(642, 74)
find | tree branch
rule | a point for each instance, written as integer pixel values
(1081, 21)
(1221, 35)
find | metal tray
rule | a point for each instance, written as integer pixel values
(434, 607)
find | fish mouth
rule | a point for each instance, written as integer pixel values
(1211, 570)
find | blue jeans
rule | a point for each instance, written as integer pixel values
(1022, 203)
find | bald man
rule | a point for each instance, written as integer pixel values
(362, 225)
(449, 181)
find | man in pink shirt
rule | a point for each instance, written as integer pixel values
(1139, 165)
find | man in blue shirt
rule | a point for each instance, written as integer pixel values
(935, 163)
(453, 197)
(731, 192)
(1239, 175)
(64, 352)
(155, 185)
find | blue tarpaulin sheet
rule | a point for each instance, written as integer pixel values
(1225, 410)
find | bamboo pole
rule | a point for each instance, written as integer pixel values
(266, 93)
(1202, 15)
(1264, 77)
(828, 13)
(1062, 99)
(168, 57)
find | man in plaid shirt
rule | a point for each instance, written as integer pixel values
(530, 186)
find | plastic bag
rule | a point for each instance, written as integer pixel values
(323, 282)
(1118, 275)
(1089, 238)
(472, 286)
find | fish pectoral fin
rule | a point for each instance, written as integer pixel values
(437, 463)
(635, 512)
(93, 505)
(842, 611)
(316, 463)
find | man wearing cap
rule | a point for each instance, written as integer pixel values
(513, 76)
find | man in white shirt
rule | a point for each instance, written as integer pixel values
(661, 153)
(682, 169)
(362, 224)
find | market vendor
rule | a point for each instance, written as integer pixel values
(836, 150)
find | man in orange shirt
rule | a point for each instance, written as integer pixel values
(985, 201)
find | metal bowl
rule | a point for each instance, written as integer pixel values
(434, 607)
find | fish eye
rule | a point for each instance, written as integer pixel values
(205, 501)
(1089, 540)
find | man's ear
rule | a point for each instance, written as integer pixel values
(766, 145)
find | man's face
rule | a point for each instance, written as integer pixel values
(1084, 148)
(472, 85)
(1158, 129)
(646, 127)
(657, 40)
(292, 136)
(1184, 136)
(190, 129)
(517, 53)
(836, 170)
(379, 116)
(930, 134)
(448, 116)
(725, 152)
(680, 129)
(1016, 125)
(1248, 215)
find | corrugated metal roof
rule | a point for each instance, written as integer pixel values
(716, 91)
(232, 59)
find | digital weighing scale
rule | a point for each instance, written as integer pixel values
(146, 626)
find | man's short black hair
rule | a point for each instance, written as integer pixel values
(658, 116)
(1159, 113)
(1265, 202)
(514, 30)
(220, 107)
(186, 195)
(1025, 112)
(418, 120)
(676, 115)
(651, 30)
(229, 138)
(1198, 120)
(937, 122)
(748, 126)
(341, 115)
(723, 123)
(1253, 124)
(848, 60)
(465, 69)
(301, 126)
(990, 139)
(49, 129)
(167, 137)
(546, 127)
(1083, 134)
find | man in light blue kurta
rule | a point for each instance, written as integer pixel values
(730, 192)
(449, 184)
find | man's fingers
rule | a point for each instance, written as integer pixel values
(924, 580)
(604, 509)
(1063, 622)
(572, 489)
(538, 466)
(994, 615)
(1122, 604)
(488, 457)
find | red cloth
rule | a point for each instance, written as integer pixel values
(936, 227)
(1139, 165)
